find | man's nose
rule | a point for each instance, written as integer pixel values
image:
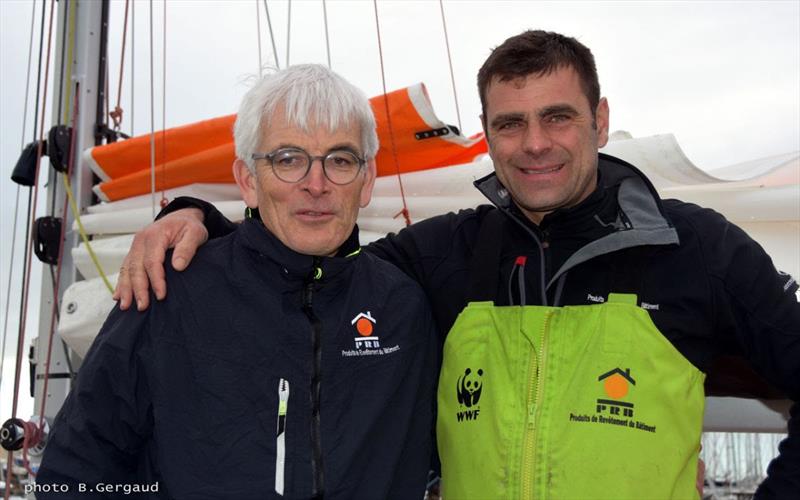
(316, 183)
(536, 140)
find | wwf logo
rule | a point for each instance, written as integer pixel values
(468, 387)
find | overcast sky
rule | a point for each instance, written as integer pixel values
(724, 77)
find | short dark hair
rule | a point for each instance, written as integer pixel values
(537, 52)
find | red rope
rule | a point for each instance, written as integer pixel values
(26, 288)
(404, 211)
(33, 435)
(61, 239)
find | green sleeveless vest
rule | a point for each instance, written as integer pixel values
(566, 402)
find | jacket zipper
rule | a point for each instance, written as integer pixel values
(534, 409)
(318, 488)
(280, 446)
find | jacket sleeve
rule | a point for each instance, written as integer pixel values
(216, 223)
(756, 307)
(99, 434)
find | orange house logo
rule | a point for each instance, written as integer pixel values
(364, 324)
(616, 384)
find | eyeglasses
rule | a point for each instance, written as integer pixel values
(293, 164)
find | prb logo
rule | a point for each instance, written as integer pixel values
(468, 392)
(365, 326)
(616, 384)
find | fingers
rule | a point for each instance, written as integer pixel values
(143, 267)
(124, 289)
(122, 292)
(192, 236)
(701, 476)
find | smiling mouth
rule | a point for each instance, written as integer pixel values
(541, 170)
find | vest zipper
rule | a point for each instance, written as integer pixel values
(535, 389)
(317, 488)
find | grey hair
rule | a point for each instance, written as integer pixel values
(308, 94)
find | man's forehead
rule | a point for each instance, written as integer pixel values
(319, 134)
(543, 89)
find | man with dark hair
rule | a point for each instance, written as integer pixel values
(591, 385)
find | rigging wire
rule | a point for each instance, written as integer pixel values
(288, 32)
(152, 123)
(70, 47)
(272, 37)
(29, 247)
(116, 114)
(450, 62)
(258, 35)
(133, 63)
(16, 203)
(327, 40)
(164, 110)
(61, 72)
(404, 211)
(26, 259)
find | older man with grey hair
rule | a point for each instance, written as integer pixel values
(286, 362)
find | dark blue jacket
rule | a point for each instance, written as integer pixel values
(186, 393)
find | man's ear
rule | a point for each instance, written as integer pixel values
(369, 182)
(247, 182)
(602, 120)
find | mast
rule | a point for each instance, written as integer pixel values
(85, 71)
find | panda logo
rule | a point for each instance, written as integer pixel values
(468, 387)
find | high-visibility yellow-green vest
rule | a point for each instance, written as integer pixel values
(580, 402)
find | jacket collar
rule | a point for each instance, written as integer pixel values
(634, 193)
(639, 220)
(255, 236)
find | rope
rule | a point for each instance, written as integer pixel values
(84, 235)
(288, 32)
(133, 62)
(116, 115)
(33, 435)
(450, 62)
(327, 40)
(258, 35)
(70, 48)
(404, 211)
(272, 37)
(16, 203)
(57, 284)
(32, 211)
(63, 63)
(164, 201)
(152, 123)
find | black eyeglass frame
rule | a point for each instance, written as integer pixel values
(311, 159)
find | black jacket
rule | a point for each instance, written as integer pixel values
(709, 288)
(186, 393)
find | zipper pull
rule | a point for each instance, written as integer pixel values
(532, 416)
(283, 403)
(280, 445)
